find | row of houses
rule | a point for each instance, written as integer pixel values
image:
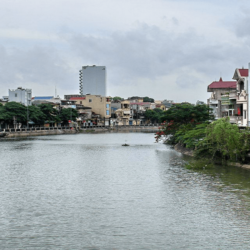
(230, 98)
(93, 109)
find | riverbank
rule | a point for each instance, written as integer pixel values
(189, 152)
(58, 131)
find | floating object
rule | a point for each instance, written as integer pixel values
(125, 144)
(2, 134)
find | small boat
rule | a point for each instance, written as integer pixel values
(125, 144)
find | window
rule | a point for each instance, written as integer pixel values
(90, 100)
(80, 102)
(107, 112)
(15, 94)
(244, 114)
(107, 106)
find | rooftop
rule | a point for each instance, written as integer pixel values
(222, 84)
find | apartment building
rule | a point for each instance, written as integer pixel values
(100, 105)
(92, 80)
(221, 101)
(20, 95)
(240, 95)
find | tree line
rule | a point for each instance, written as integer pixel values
(194, 127)
(44, 113)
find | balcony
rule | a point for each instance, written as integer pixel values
(212, 101)
(236, 119)
(233, 94)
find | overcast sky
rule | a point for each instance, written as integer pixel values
(165, 49)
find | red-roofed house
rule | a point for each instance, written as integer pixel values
(222, 100)
(241, 76)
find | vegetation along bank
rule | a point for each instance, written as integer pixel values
(193, 128)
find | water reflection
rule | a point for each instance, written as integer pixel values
(88, 192)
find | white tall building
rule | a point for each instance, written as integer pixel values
(92, 80)
(20, 95)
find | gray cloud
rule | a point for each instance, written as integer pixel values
(149, 51)
(37, 66)
(164, 52)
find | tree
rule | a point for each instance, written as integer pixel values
(179, 115)
(188, 113)
(224, 140)
(148, 99)
(117, 98)
(14, 109)
(50, 113)
(154, 115)
(68, 114)
(36, 115)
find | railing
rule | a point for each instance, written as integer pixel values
(233, 94)
(13, 130)
(213, 101)
(236, 119)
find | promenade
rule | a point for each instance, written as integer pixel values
(35, 131)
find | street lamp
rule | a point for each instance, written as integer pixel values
(27, 113)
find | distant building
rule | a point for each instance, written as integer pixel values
(67, 97)
(92, 80)
(200, 103)
(20, 95)
(168, 103)
(100, 105)
(37, 100)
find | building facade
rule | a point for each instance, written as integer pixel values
(241, 95)
(100, 105)
(92, 80)
(226, 101)
(20, 95)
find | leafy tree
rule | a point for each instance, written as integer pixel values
(68, 114)
(224, 140)
(14, 109)
(154, 115)
(36, 115)
(187, 113)
(51, 114)
(117, 98)
(148, 99)
(179, 115)
(190, 136)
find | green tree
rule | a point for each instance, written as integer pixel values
(51, 114)
(148, 99)
(36, 115)
(14, 109)
(224, 140)
(68, 114)
(179, 115)
(117, 98)
(154, 115)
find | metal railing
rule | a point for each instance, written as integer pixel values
(30, 129)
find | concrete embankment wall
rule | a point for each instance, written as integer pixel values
(58, 131)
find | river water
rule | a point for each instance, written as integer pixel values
(86, 191)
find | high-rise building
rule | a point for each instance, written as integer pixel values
(92, 80)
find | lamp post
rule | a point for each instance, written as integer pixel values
(27, 113)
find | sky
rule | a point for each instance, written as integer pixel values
(164, 49)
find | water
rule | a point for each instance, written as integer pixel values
(86, 191)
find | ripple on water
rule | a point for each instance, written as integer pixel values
(88, 192)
